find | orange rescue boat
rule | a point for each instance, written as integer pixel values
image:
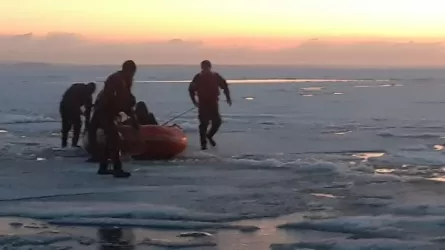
(151, 142)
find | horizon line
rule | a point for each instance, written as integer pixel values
(332, 66)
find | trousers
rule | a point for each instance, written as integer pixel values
(71, 119)
(111, 149)
(208, 113)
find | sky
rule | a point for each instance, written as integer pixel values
(320, 32)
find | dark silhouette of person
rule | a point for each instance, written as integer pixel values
(116, 239)
(144, 116)
(116, 97)
(206, 85)
(75, 97)
(93, 148)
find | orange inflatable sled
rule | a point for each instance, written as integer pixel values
(151, 142)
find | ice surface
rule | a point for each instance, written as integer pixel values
(352, 152)
(144, 223)
(33, 240)
(77, 210)
(384, 226)
(381, 244)
(422, 158)
(179, 245)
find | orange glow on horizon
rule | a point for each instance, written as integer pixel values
(257, 23)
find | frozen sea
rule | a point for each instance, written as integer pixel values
(307, 158)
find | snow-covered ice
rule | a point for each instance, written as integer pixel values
(320, 159)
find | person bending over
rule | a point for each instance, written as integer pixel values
(77, 96)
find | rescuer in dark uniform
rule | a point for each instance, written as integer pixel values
(206, 85)
(77, 96)
(116, 97)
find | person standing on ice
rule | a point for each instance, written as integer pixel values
(116, 97)
(206, 85)
(77, 96)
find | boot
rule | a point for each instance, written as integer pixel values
(103, 170)
(118, 172)
(211, 141)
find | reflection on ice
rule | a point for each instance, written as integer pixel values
(116, 238)
(383, 171)
(343, 133)
(312, 88)
(367, 155)
(439, 179)
(326, 195)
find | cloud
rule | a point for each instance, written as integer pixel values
(61, 38)
(368, 53)
(60, 47)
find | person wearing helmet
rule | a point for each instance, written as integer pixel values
(206, 85)
(75, 97)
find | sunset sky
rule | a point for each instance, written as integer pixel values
(268, 26)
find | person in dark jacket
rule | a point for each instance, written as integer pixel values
(206, 85)
(77, 96)
(116, 97)
(144, 116)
